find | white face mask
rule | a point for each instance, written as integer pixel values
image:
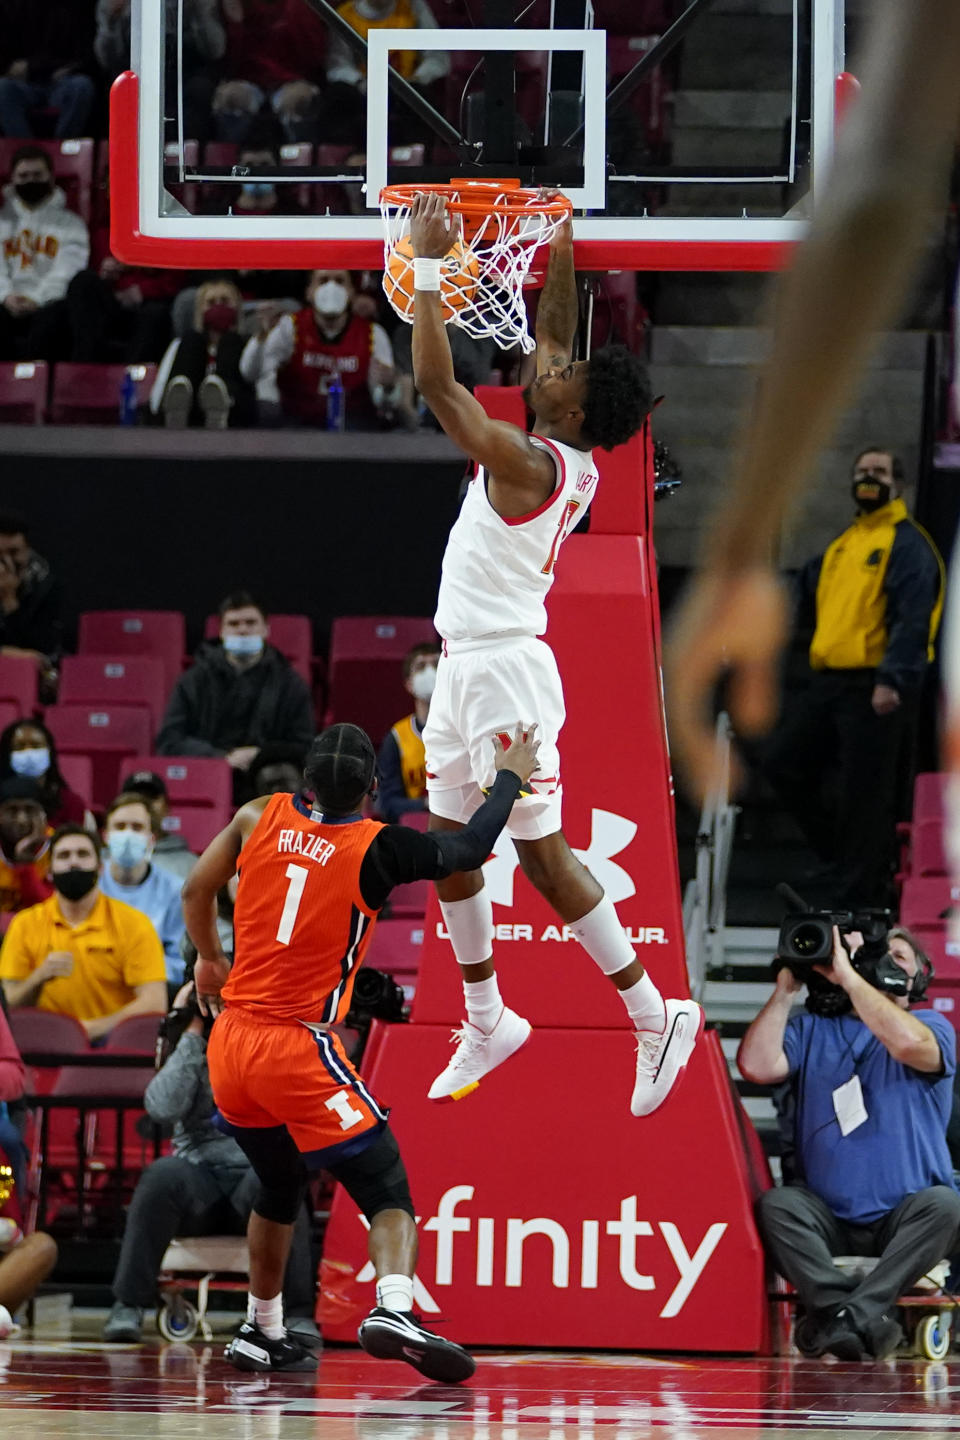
(331, 298)
(424, 682)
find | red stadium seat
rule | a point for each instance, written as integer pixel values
(18, 682)
(944, 952)
(115, 680)
(23, 392)
(927, 899)
(416, 819)
(90, 394)
(199, 781)
(72, 168)
(196, 824)
(366, 682)
(43, 1031)
(136, 632)
(108, 734)
(927, 854)
(8, 713)
(77, 771)
(944, 995)
(396, 948)
(929, 792)
(137, 1035)
(410, 900)
(292, 635)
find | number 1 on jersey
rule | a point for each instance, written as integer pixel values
(566, 516)
(297, 875)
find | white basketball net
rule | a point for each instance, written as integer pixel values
(501, 247)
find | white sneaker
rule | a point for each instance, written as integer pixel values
(662, 1059)
(477, 1054)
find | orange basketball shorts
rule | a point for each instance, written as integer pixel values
(265, 1074)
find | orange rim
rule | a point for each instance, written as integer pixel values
(482, 197)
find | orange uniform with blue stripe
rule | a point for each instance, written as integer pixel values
(301, 929)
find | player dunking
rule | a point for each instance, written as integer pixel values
(313, 879)
(529, 492)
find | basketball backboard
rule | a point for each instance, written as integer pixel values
(688, 134)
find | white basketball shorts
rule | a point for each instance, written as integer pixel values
(482, 690)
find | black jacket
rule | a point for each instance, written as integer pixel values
(215, 707)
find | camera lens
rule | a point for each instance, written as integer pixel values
(806, 940)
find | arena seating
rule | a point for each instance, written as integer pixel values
(109, 735)
(292, 635)
(366, 684)
(90, 394)
(72, 168)
(18, 682)
(77, 771)
(192, 781)
(115, 680)
(23, 392)
(136, 632)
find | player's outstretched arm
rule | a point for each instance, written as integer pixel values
(216, 866)
(849, 277)
(558, 312)
(502, 449)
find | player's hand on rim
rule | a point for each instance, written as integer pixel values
(433, 230)
(209, 978)
(521, 755)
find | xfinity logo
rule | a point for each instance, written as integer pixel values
(494, 1252)
(609, 835)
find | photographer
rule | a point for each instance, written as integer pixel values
(206, 1187)
(873, 1090)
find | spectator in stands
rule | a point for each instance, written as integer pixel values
(129, 836)
(24, 847)
(28, 750)
(873, 1089)
(80, 953)
(42, 246)
(347, 75)
(31, 601)
(116, 313)
(240, 695)
(44, 49)
(403, 775)
(199, 381)
(275, 52)
(276, 769)
(472, 362)
(204, 41)
(874, 599)
(291, 358)
(170, 852)
(206, 1187)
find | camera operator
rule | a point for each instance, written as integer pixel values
(873, 1088)
(206, 1187)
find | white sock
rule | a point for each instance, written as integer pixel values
(484, 1006)
(267, 1315)
(395, 1292)
(645, 1005)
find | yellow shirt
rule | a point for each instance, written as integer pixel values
(114, 950)
(401, 17)
(413, 765)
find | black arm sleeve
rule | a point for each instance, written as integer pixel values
(399, 855)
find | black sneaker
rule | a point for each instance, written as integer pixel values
(250, 1349)
(841, 1338)
(883, 1336)
(398, 1335)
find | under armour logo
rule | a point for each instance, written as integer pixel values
(609, 835)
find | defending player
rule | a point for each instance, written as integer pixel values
(530, 491)
(312, 882)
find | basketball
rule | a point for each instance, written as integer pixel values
(459, 278)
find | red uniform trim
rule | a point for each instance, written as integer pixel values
(561, 481)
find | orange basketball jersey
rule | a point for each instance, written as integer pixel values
(301, 928)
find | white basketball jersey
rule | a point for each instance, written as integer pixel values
(496, 572)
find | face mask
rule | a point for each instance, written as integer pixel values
(128, 848)
(864, 500)
(258, 189)
(74, 884)
(220, 317)
(330, 298)
(424, 682)
(33, 192)
(33, 763)
(243, 644)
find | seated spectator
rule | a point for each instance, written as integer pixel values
(291, 358)
(258, 194)
(347, 76)
(874, 1090)
(116, 313)
(24, 847)
(25, 1261)
(401, 765)
(42, 246)
(170, 852)
(206, 1187)
(31, 602)
(240, 694)
(199, 381)
(275, 51)
(472, 362)
(80, 953)
(129, 836)
(204, 41)
(43, 51)
(28, 750)
(276, 769)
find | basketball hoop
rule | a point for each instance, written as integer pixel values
(481, 278)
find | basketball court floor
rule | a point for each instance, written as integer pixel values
(82, 1390)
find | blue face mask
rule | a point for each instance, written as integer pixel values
(257, 189)
(128, 848)
(33, 763)
(243, 644)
